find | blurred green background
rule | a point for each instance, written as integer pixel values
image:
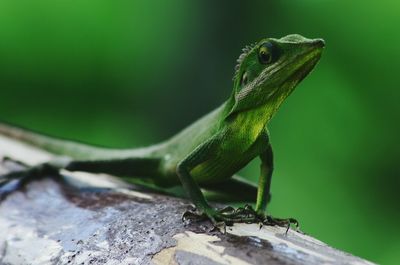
(130, 73)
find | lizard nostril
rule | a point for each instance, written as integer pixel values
(319, 43)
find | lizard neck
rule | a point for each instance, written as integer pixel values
(250, 123)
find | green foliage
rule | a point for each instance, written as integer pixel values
(129, 73)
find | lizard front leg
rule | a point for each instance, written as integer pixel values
(227, 215)
(263, 192)
(199, 155)
(264, 181)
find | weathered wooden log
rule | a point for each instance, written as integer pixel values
(97, 219)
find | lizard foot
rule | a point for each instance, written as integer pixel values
(226, 216)
(229, 215)
(7, 159)
(283, 222)
(17, 179)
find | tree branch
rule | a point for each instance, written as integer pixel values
(97, 219)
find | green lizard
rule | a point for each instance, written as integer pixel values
(212, 149)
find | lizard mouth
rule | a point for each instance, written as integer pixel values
(301, 66)
(306, 67)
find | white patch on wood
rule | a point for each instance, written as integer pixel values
(199, 244)
(270, 233)
(86, 179)
(19, 250)
(22, 152)
(134, 193)
(16, 243)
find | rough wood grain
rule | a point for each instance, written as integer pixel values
(96, 219)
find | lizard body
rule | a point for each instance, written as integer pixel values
(216, 146)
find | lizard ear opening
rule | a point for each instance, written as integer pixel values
(244, 79)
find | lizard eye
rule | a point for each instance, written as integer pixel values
(244, 79)
(266, 53)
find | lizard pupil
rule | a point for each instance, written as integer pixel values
(265, 57)
(265, 53)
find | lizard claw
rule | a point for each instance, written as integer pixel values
(229, 215)
(227, 210)
(191, 215)
(283, 222)
(17, 179)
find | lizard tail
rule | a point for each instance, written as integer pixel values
(50, 144)
(69, 148)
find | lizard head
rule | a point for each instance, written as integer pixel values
(268, 71)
